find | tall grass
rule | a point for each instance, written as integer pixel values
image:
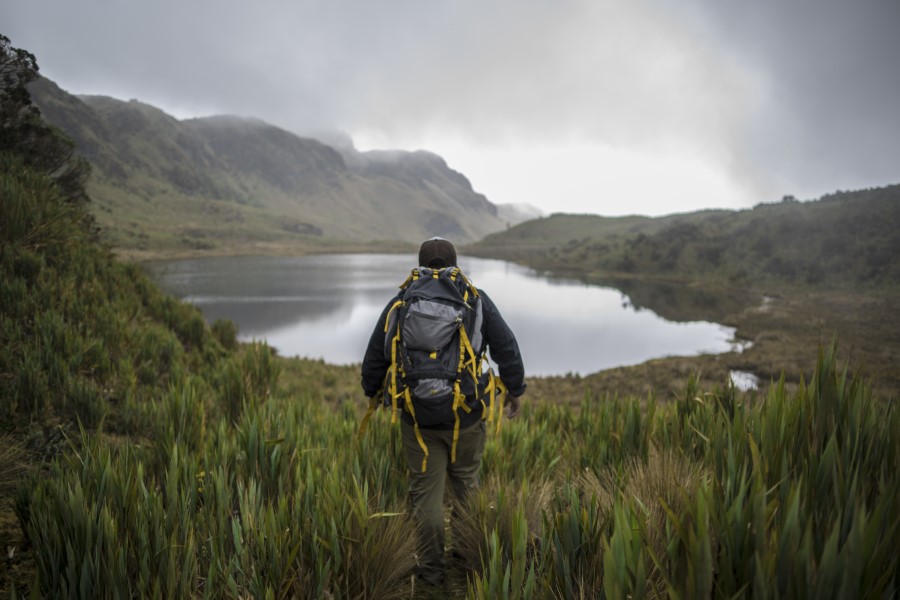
(12, 463)
(82, 336)
(794, 495)
(791, 495)
(267, 507)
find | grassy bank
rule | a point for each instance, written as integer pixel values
(174, 252)
(782, 333)
(782, 327)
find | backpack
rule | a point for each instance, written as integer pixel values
(434, 341)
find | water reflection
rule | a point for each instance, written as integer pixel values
(326, 307)
(679, 302)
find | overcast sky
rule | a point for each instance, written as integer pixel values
(602, 106)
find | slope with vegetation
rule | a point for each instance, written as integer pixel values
(788, 276)
(235, 185)
(846, 238)
(146, 454)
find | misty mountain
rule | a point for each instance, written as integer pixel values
(514, 213)
(232, 183)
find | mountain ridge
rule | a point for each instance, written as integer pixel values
(227, 182)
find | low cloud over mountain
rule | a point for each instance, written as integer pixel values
(204, 181)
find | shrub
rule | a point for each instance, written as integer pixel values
(225, 332)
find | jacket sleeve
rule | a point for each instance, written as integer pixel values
(503, 347)
(375, 364)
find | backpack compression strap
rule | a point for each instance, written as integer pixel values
(459, 399)
(468, 283)
(390, 379)
(392, 372)
(494, 390)
(412, 412)
(373, 406)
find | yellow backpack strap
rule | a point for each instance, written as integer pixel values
(394, 368)
(374, 403)
(391, 378)
(459, 399)
(465, 347)
(499, 391)
(469, 284)
(419, 438)
(414, 274)
(488, 412)
(494, 390)
(387, 317)
(459, 402)
(373, 406)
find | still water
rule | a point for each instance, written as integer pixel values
(327, 306)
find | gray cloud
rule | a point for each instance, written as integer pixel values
(830, 78)
(787, 97)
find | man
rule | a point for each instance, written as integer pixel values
(432, 454)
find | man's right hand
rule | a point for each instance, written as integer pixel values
(513, 404)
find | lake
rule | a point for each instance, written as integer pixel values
(327, 306)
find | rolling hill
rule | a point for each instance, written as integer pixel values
(844, 238)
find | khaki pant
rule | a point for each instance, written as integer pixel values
(426, 489)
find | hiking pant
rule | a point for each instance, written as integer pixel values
(426, 489)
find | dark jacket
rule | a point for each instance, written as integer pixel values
(499, 340)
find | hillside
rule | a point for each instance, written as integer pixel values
(223, 184)
(787, 276)
(845, 238)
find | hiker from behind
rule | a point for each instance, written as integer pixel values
(426, 360)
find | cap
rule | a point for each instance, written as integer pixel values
(437, 253)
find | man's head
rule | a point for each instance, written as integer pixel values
(437, 253)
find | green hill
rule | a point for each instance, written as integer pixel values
(845, 238)
(229, 184)
(787, 276)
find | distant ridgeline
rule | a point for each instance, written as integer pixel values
(843, 238)
(225, 182)
(229, 184)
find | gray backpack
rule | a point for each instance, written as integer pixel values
(438, 368)
(433, 338)
(434, 343)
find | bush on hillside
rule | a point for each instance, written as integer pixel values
(23, 132)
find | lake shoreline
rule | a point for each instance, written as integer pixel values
(784, 325)
(326, 305)
(784, 331)
(137, 255)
